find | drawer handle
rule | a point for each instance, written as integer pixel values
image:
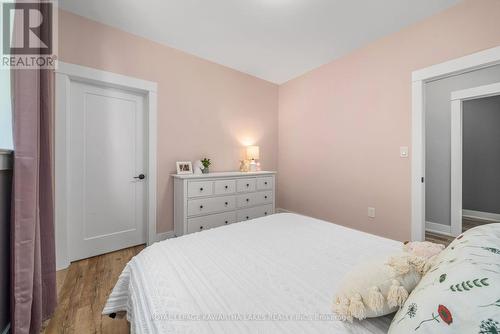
(226, 203)
(248, 199)
(201, 206)
(226, 187)
(201, 189)
(265, 197)
(201, 227)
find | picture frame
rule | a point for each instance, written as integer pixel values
(184, 167)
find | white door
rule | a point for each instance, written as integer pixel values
(106, 204)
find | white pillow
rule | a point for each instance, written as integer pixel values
(378, 287)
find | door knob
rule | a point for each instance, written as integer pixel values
(140, 177)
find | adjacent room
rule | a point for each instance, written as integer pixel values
(256, 166)
(480, 162)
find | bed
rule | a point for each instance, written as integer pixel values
(276, 274)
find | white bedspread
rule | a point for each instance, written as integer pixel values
(276, 274)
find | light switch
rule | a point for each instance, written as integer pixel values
(403, 151)
(371, 212)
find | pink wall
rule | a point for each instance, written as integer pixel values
(341, 125)
(204, 109)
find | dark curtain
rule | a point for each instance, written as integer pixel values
(33, 278)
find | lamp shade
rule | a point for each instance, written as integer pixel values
(252, 152)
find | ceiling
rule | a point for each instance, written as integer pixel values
(275, 40)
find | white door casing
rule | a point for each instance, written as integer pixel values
(121, 92)
(106, 151)
(482, 59)
(457, 99)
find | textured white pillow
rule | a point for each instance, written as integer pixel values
(378, 287)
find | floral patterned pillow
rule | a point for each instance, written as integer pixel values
(461, 292)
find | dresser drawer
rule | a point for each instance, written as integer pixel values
(210, 205)
(264, 183)
(244, 185)
(210, 221)
(223, 187)
(252, 213)
(252, 199)
(200, 188)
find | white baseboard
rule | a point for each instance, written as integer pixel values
(438, 228)
(165, 235)
(492, 217)
(280, 210)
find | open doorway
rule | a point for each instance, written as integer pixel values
(444, 103)
(431, 137)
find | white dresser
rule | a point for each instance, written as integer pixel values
(210, 200)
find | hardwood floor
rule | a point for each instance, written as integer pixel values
(467, 223)
(438, 238)
(82, 292)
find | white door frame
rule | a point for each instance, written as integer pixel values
(465, 64)
(64, 74)
(457, 99)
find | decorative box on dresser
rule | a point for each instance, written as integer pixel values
(204, 201)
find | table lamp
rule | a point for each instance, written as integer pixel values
(252, 155)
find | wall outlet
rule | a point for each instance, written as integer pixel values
(371, 212)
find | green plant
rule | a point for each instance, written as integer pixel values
(467, 285)
(206, 162)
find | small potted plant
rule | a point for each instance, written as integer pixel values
(206, 164)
